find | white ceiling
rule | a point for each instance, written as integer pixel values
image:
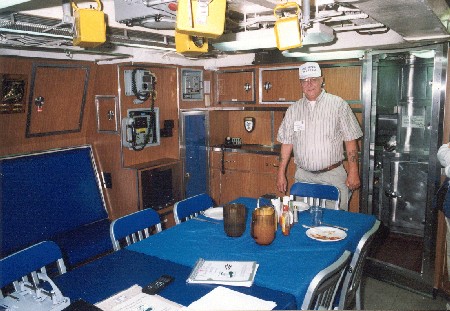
(354, 24)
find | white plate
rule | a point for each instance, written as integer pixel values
(214, 213)
(301, 206)
(326, 234)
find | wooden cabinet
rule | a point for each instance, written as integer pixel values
(251, 175)
(279, 85)
(56, 105)
(343, 81)
(160, 187)
(244, 174)
(235, 86)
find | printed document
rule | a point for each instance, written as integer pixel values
(234, 273)
(133, 299)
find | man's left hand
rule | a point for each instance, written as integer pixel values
(353, 181)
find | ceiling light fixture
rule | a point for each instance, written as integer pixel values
(325, 55)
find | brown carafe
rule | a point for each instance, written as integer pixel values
(234, 218)
(263, 225)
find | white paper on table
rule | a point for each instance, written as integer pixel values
(233, 273)
(222, 298)
(133, 299)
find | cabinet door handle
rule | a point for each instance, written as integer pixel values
(110, 115)
(275, 165)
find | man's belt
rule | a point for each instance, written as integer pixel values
(328, 168)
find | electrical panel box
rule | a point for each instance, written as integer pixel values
(192, 84)
(140, 129)
(201, 18)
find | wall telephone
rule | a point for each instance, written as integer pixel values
(233, 142)
(140, 129)
(139, 83)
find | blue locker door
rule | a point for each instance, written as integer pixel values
(196, 154)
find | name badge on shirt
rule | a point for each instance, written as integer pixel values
(299, 125)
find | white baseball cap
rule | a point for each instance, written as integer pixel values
(309, 70)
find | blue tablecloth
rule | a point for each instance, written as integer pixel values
(120, 270)
(287, 265)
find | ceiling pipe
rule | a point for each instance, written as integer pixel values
(306, 13)
(67, 11)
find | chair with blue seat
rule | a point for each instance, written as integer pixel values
(134, 227)
(190, 207)
(316, 194)
(324, 286)
(29, 265)
(351, 286)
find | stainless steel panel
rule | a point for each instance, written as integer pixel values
(405, 87)
(388, 87)
(403, 181)
(406, 194)
(416, 77)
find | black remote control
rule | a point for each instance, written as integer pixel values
(157, 285)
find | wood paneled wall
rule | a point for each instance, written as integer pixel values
(13, 126)
(111, 157)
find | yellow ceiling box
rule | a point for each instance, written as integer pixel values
(90, 26)
(203, 18)
(287, 28)
(190, 45)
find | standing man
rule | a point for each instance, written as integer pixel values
(316, 128)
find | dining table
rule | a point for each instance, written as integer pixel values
(287, 265)
(121, 270)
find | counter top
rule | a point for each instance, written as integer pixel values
(252, 148)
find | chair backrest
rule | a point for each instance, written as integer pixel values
(27, 263)
(316, 194)
(352, 280)
(191, 206)
(322, 289)
(134, 227)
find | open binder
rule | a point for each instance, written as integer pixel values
(233, 273)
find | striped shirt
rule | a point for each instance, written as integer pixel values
(317, 132)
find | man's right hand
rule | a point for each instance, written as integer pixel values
(281, 182)
(285, 155)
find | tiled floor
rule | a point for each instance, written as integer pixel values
(383, 296)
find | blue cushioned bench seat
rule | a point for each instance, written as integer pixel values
(54, 195)
(85, 242)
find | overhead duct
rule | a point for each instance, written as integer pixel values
(417, 21)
